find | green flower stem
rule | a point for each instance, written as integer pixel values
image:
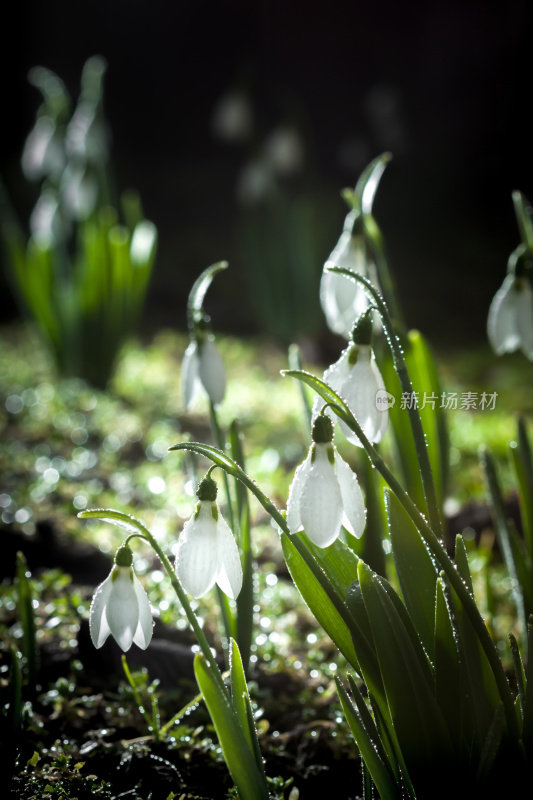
(220, 443)
(225, 610)
(151, 721)
(523, 219)
(184, 600)
(407, 387)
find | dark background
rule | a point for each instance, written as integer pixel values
(445, 86)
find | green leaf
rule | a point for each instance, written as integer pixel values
(238, 756)
(491, 744)
(407, 677)
(242, 705)
(425, 379)
(447, 665)
(523, 466)
(416, 571)
(461, 560)
(370, 546)
(27, 619)
(325, 392)
(425, 383)
(524, 219)
(368, 743)
(503, 536)
(321, 596)
(338, 561)
(477, 686)
(245, 600)
(527, 729)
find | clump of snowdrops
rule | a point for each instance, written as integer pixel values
(431, 708)
(81, 271)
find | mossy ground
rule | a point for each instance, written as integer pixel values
(65, 448)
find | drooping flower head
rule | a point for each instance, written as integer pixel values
(120, 607)
(510, 319)
(206, 552)
(355, 376)
(343, 300)
(325, 493)
(202, 368)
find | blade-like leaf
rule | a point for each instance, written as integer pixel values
(416, 571)
(523, 466)
(322, 598)
(461, 560)
(238, 756)
(369, 748)
(407, 677)
(503, 535)
(241, 703)
(447, 664)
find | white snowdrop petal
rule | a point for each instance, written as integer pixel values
(196, 556)
(354, 516)
(145, 625)
(294, 520)
(212, 372)
(321, 502)
(98, 626)
(229, 574)
(359, 391)
(334, 376)
(122, 609)
(189, 374)
(524, 320)
(382, 414)
(502, 324)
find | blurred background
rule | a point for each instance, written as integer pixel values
(240, 122)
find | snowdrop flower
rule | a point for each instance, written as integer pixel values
(356, 378)
(202, 368)
(120, 607)
(342, 299)
(325, 493)
(510, 320)
(206, 552)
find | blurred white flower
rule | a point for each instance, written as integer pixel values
(120, 607)
(325, 494)
(256, 182)
(202, 368)
(284, 151)
(46, 223)
(510, 319)
(87, 137)
(143, 243)
(206, 552)
(232, 118)
(356, 378)
(342, 299)
(43, 154)
(79, 191)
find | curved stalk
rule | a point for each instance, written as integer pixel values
(396, 349)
